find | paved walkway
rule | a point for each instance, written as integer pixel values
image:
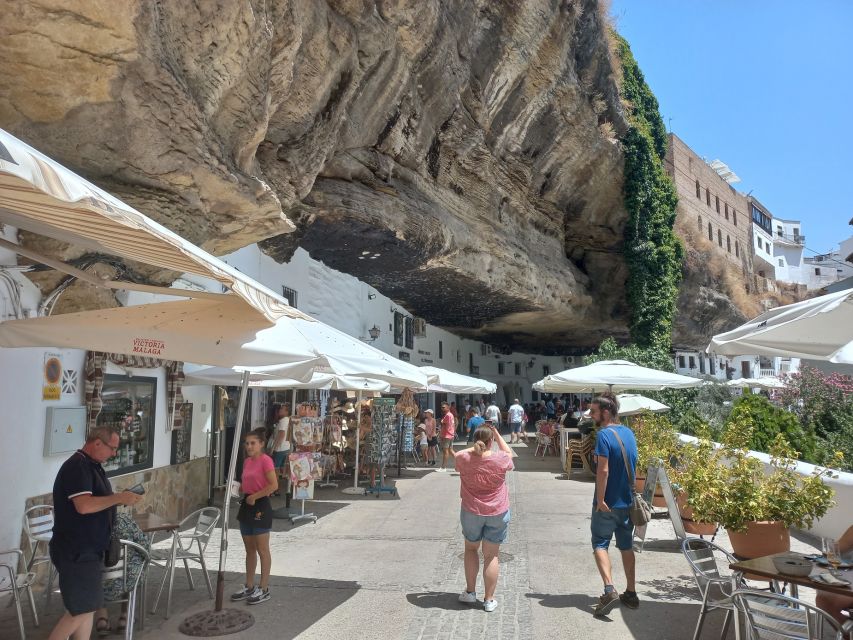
(390, 568)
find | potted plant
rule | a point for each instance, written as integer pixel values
(757, 507)
(657, 443)
(697, 483)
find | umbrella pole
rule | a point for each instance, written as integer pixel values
(232, 468)
(354, 490)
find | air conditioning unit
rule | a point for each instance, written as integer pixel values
(419, 327)
(568, 359)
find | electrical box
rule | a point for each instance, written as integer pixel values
(65, 431)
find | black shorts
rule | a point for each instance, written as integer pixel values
(433, 442)
(81, 579)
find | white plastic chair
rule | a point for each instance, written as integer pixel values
(13, 582)
(715, 585)
(768, 616)
(543, 443)
(129, 583)
(194, 533)
(38, 529)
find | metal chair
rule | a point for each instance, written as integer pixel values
(770, 616)
(13, 582)
(38, 528)
(193, 534)
(129, 583)
(715, 586)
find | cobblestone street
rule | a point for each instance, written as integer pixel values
(392, 568)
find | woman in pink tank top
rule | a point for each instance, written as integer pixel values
(485, 509)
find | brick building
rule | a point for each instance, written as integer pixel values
(711, 204)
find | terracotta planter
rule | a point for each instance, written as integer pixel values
(760, 539)
(639, 484)
(657, 500)
(686, 512)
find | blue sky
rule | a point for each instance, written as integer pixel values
(764, 86)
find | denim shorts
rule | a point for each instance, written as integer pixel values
(515, 427)
(492, 529)
(279, 458)
(81, 580)
(605, 524)
(246, 529)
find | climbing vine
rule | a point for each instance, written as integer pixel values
(652, 250)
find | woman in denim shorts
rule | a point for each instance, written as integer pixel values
(485, 509)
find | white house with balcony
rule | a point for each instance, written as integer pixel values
(788, 246)
(722, 368)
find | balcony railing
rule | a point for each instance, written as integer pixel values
(795, 239)
(767, 373)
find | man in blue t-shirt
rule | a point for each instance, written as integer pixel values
(473, 422)
(612, 500)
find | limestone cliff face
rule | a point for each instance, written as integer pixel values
(458, 155)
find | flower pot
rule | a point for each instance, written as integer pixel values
(760, 539)
(639, 484)
(690, 526)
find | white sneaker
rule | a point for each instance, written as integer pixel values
(468, 597)
(490, 605)
(441, 469)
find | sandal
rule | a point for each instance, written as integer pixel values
(102, 626)
(121, 625)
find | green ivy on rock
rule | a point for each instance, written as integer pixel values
(652, 250)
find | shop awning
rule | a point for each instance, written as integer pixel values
(41, 196)
(442, 380)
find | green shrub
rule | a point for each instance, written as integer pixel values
(768, 422)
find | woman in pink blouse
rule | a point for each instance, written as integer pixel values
(485, 509)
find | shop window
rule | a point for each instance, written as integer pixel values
(698, 190)
(680, 362)
(717, 203)
(129, 405)
(398, 328)
(501, 368)
(817, 271)
(409, 324)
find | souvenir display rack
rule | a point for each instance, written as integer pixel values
(381, 442)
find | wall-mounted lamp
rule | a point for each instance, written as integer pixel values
(530, 364)
(393, 309)
(371, 296)
(374, 333)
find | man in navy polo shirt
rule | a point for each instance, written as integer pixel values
(84, 504)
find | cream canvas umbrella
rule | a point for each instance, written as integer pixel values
(613, 375)
(816, 329)
(761, 383)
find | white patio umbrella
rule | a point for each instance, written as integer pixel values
(234, 377)
(633, 403)
(763, 383)
(614, 375)
(816, 329)
(452, 382)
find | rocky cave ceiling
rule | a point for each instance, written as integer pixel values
(470, 143)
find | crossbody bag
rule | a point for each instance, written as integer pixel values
(640, 511)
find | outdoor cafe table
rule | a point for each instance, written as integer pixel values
(151, 524)
(765, 568)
